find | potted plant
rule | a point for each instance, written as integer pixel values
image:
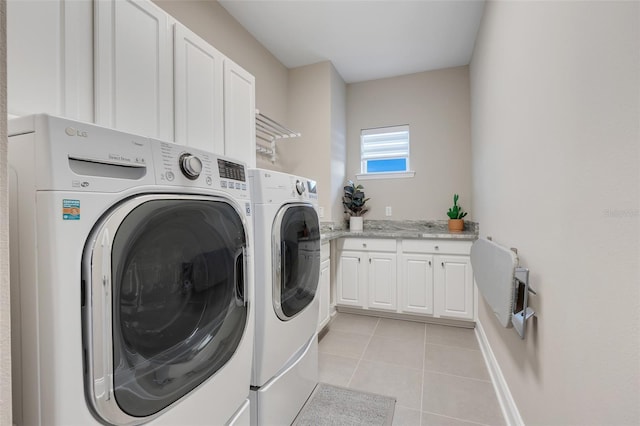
(354, 205)
(455, 213)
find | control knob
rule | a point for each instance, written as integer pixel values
(300, 187)
(190, 165)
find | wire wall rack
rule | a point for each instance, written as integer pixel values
(268, 132)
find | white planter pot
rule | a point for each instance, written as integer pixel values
(355, 224)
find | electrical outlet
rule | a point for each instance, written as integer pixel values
(387, 211)
(321, 212)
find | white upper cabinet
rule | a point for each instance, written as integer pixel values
(128, 65)
(50, 58)
(198, 81)
(239, 113)
(133, 68)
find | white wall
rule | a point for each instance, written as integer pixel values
(555, 91)
(5, 309)
(436, 106)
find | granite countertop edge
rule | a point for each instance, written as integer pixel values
(402, 230)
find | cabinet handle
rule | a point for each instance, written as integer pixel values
(369, 260)
(429, 263)
(358, 260)
(442, 264)
(364, 245)
(437, 247)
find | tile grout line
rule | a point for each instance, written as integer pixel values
(458, 376)
(456, 418)
(424, 362)
(362, 355)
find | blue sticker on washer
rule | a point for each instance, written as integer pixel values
(70, 209)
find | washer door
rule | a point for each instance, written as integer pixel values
(296, 259)
(165, 305)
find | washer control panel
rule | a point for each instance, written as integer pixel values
(300, 187)
(185, 166)
(190, 165)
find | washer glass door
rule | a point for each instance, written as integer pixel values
(176, 309)
(297, 259)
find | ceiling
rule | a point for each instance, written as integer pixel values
(365, 40)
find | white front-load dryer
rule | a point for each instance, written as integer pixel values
(131, 276)
(287, 262)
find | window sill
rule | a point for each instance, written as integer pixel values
(389, 175)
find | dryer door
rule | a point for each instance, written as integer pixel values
(296, 259)
(165, 306)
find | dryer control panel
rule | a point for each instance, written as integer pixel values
(271, 187)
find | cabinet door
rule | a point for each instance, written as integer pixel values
(350, 280)
(198, 76)
(324, 288)
(239, 114)
(417, 283)
(50, 58)
(133, 68)
(382, 281)
(453, 292)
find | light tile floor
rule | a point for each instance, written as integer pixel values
(436, 372)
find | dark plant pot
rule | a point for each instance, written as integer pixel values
(456, 225)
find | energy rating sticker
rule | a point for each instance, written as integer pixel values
(70, 209)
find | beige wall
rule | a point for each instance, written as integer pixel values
(317, 110)
(555, 89)
(338, 145)
(5, 317)
(436, 106)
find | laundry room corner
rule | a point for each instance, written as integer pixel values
(5, 311)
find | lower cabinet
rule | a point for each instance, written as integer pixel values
(324, 287)
(425, 277)
(350, 279)
(453, 287)
(367, 274)
(417, 283)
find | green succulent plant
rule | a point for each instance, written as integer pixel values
(354, 200)
(456, 212)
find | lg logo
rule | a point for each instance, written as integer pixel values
(71, 131)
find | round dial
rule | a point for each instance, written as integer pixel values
(300, 187)
(190, 165)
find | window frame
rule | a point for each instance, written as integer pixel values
(365, 175)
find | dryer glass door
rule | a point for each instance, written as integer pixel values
(177, 301)
(297, 259)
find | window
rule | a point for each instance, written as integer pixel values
(384, 152)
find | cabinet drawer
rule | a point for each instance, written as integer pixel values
(325, 251)
(368, 244)
(436, 246)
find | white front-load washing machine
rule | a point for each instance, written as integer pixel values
(287, 262)
(131, 278)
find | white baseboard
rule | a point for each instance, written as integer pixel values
(505, 399)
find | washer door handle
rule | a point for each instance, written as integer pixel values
(240, 276)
